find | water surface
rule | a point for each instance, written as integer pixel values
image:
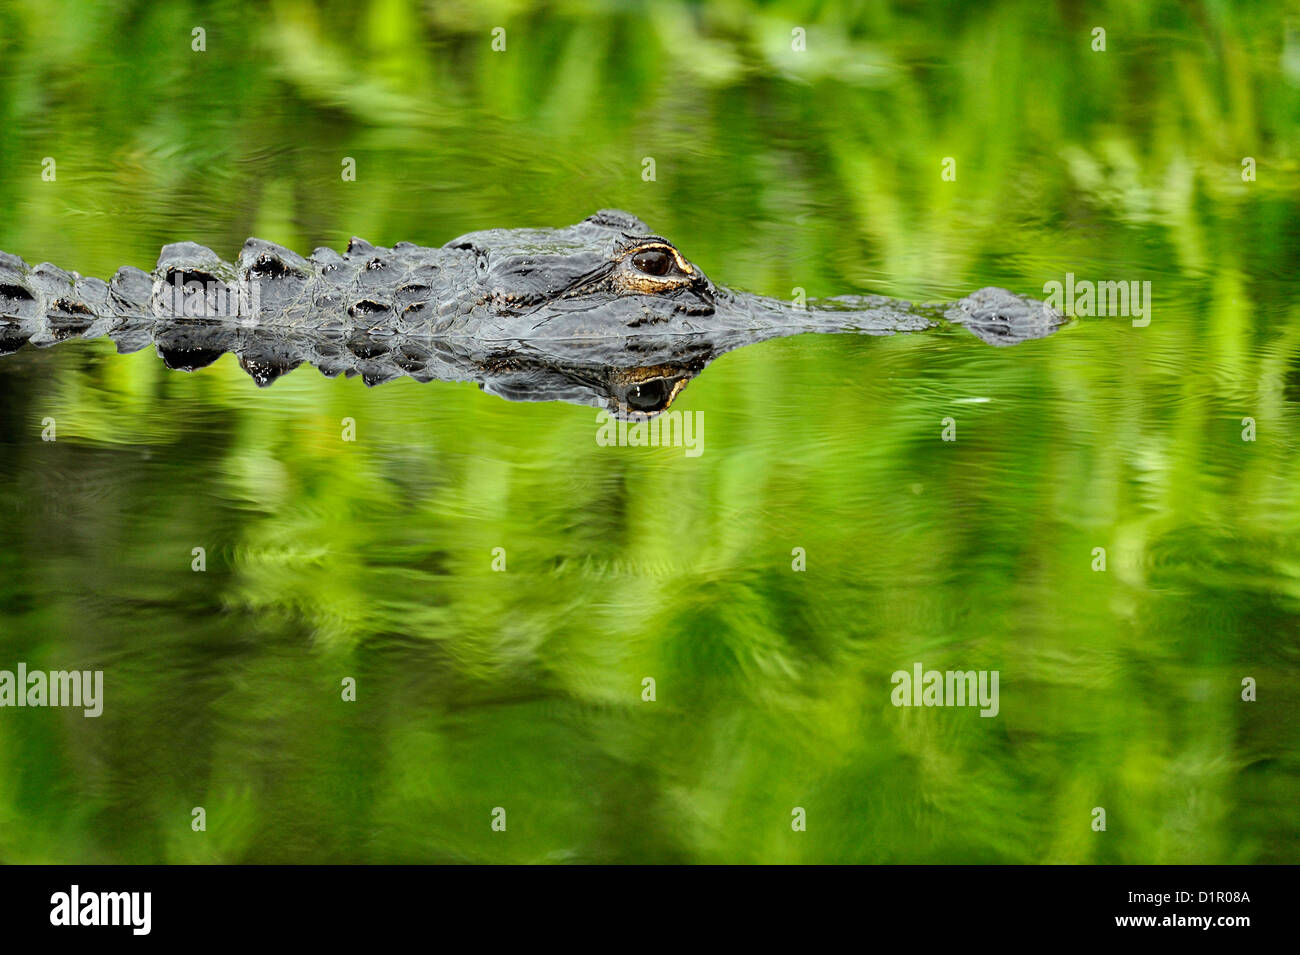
(373, 559)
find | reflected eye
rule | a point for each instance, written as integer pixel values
(653, 262)
(649, 396)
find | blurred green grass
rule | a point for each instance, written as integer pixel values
(774, 169)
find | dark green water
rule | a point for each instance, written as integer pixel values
(522, 689)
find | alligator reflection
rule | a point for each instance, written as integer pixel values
(632, 377)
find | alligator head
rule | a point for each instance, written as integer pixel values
(603, 276)
(607, 307)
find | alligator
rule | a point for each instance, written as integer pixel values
(604, 312)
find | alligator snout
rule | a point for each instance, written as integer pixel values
(999, 317)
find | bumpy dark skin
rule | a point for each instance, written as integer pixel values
(602, 312)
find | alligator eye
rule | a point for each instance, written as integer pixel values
(653, 262)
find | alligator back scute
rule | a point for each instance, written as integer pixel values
(18, 305)
(192, 257)
(376, 270)
(75, 313)
(261, 259)
(11, 265)
(329, 266)
(276, 281)
(131, 292)
(18, 302)
(59, 303)
(192, 281)
(52, 280)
